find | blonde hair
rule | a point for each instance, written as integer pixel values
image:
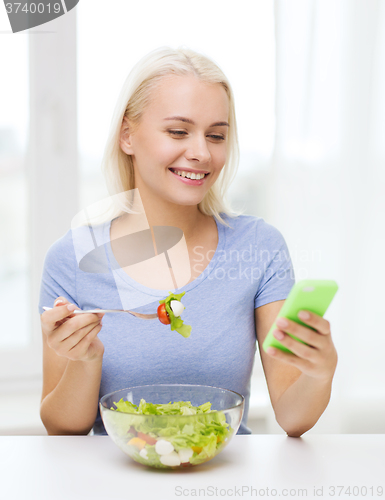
(117, 166)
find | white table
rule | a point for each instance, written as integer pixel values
(93, 467)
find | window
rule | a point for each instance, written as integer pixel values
(38, 169)
(14, 258)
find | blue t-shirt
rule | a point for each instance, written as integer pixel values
(250, 268)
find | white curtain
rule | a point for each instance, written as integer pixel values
(325, 187)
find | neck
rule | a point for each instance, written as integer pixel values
(160, 212)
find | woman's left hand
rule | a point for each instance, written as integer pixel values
(318, 359)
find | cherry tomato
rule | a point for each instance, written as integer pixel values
(163, 315)
(149, 439)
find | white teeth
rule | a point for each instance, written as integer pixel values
(189, 175)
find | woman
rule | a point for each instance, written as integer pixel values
(175, 116)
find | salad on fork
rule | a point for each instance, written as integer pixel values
(168, 313)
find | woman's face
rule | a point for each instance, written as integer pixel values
(182, 132)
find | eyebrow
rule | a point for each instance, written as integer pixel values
(187, 120)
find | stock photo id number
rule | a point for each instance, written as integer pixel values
(255, 492)
(28, 14)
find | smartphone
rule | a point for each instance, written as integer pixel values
(309, 295)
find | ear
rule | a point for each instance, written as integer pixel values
(125, 137)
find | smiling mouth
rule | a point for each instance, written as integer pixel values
(189, 175)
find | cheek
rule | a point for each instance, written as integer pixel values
(219, 158)
(167, 152)
(161, 150)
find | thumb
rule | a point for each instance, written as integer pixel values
(60, 301)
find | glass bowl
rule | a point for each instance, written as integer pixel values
(173, 441)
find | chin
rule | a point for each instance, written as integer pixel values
(187, 201)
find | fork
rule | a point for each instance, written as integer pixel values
(138, 315)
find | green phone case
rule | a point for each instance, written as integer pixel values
(310, 295)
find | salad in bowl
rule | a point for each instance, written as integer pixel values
(172, 426)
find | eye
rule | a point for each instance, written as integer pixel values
(182, 133)
(218, 137)
(177, 132)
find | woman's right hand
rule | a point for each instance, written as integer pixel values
(73, 336)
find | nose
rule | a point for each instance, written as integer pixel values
(198, 150)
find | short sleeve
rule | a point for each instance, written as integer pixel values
(59, 273)
(278, 277)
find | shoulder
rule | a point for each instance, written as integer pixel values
(60, 262)
(61, 249)
(65, 252)
(254, 228)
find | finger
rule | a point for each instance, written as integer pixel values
(287, 357)
(70, 342)
(72, 325)
(99, 315)
(295, 346)
(60, 301)
(304, 333)
(59, 312)
(82, 346)
(63, 339)
(314, 320)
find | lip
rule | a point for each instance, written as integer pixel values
(190, 170)
(192, 182)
